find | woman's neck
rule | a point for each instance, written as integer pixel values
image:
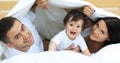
(93, 46)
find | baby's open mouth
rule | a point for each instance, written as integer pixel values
(73, 33)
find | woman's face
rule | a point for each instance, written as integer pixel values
(99, 32)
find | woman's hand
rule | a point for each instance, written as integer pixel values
(42, 4)
(88, 10)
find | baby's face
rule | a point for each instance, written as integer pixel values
(73, 28)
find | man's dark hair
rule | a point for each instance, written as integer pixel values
(6, 24)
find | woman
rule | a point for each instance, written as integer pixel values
(104, 32)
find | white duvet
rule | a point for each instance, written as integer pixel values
(51, 57)
(109, 54)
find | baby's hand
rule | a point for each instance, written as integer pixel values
(42, 4)
(73, 48)
(70, 47)
(76, 49)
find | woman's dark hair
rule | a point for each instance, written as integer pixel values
(77, 15)
(113, 26)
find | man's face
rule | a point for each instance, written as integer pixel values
(20, 36)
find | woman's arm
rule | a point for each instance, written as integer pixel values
(86, 52)
(52, 46)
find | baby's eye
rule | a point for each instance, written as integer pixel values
(78, 26)
(71, 24)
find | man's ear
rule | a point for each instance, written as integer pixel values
(9, 45)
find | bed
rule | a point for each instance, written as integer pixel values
(108, 54)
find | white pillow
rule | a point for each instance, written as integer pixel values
(109, 54)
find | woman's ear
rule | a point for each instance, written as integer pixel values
(9, 45)
(108, 39)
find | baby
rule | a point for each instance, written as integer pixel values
(74, 22)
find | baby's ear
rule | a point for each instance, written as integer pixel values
(9, 45)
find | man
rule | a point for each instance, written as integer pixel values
(20, 36)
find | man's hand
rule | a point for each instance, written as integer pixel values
(42, 4)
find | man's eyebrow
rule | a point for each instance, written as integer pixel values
(22, 26)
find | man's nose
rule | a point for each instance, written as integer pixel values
(24, 35)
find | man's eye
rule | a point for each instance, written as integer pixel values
(23, 28)
(17, 37)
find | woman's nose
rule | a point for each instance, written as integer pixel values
(96, 32)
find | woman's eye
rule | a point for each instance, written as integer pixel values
(97, 25)
(102, 32)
